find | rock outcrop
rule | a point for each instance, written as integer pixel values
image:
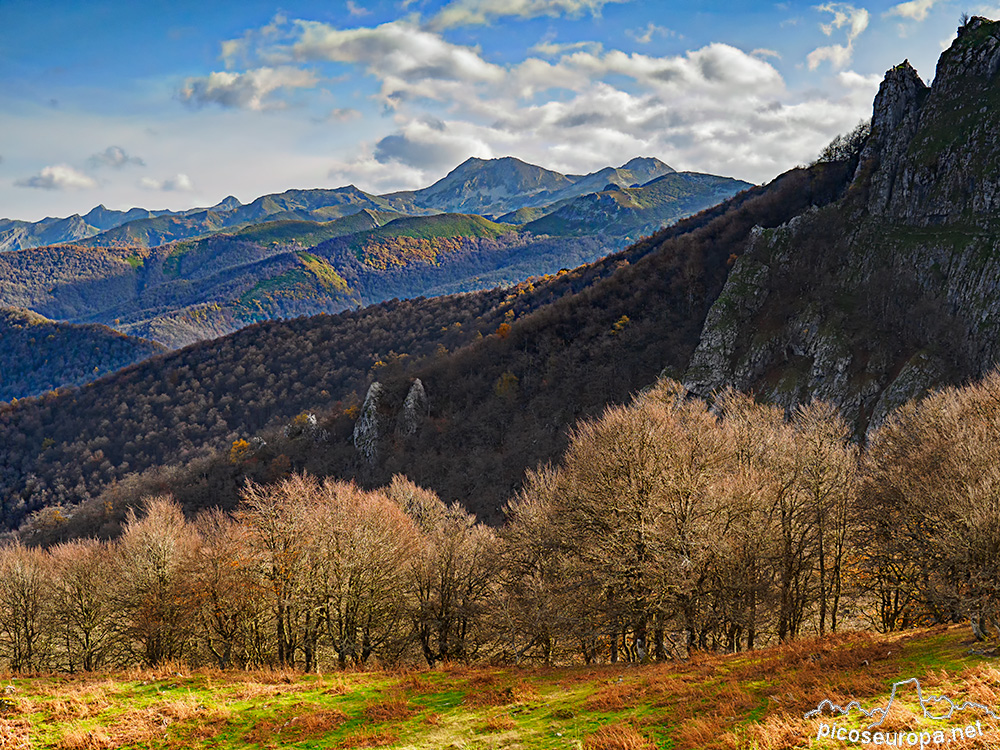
(414, 409)
(366, 429)
(895, 288)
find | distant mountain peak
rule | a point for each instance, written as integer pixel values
(227, 204)
(650, 163)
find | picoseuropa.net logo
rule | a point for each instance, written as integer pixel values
(936, 708)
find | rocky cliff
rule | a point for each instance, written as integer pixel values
(895, 288)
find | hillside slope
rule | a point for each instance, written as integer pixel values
(39, 355)
(632, 212)
(733, 702)
(507, 373)
(185, 292)
(894, 289)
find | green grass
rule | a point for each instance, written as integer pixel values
(755, 699)
(309, 233)
(441, 226)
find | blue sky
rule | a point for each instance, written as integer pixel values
(178, 104)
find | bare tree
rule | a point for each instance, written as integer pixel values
(24, 637)
(156, 615)
(452, 574)
(82, 611)
(360, 547)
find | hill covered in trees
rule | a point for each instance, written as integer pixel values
(39, 355)
(190, 291)
(506, 373)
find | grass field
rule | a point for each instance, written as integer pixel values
(750, 700)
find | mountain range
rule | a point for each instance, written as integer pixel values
(488, 188)
(178, 278)
(866, 279)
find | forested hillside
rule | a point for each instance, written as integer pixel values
(185, 292)
(506, 373)
(38, 355)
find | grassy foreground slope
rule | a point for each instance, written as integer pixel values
(751, 700)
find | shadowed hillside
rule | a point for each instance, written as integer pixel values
(506, 373)
(38, 355)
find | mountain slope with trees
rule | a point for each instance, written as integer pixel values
(506, 373)
(39, 355)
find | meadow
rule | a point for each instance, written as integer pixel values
(751, 700)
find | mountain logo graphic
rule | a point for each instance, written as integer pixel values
(877, 715)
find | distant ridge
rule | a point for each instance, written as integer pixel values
(487, 187)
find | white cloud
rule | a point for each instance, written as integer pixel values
(114, 157)
(555, 49)
(645, 36)
(479, 12)
(180, 183)
(356, 10)
(717, 108)
(763, 53)
(844, 14)
(408, 61)
(839, 55)
(343, 114)
(430, 144)
(58, 177)
(915, 10)
(254, 89)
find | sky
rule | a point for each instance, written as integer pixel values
(182, 103)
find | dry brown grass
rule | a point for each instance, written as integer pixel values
(484, 679)
(497, 723)
(777, 732)
(519, 692)
(415, 683)
(86, 739)
(167, 671)
(618, 737)
(389, 710)
(251, 689)
(699, 733)
(139, 726)
(618, 696)
(370, 738)
(72, 707)
(15, 734)
(981, 684)
(307, 725)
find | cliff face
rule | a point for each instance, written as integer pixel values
(895, 288)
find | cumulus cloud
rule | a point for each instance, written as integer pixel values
(645, 36)
(555, 49)
(180, 183)
(356, 10)
(115, 157)
(431, 144)
(254, 89)
(915, 10)
(573, 107)
(479, 12)
(58, 177)
(839, 55)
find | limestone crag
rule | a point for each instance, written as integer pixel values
(895, 288)
(366, 429)
(414, 410)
